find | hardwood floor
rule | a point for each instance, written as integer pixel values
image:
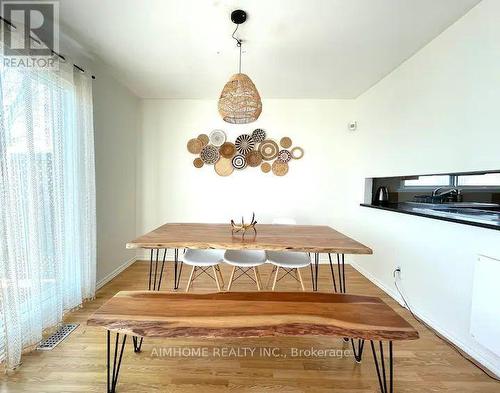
(78, 363)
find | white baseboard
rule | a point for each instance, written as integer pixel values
(114, 273)
(492, 367)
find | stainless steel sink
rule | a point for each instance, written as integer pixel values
(477, 213)
(456, 205)
(469, 205)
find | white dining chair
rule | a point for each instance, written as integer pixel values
(242, 262)
(289, 262)
(202, 261)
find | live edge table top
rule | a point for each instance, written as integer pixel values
(306, 238)
(251, 314)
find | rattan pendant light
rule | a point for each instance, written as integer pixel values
(239, 102)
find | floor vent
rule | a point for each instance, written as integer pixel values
(53, 340)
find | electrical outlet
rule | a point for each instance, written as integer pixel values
(398, 273)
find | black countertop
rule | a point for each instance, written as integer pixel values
(474, 217)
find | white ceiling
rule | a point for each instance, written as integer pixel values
(294, 48)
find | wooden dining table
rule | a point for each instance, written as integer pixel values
(312, 239)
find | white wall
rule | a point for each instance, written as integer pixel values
(438, 112)
(172, 189)
(116, 123)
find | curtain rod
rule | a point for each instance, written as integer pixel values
(10, 24)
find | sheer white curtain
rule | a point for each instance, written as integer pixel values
(47, 202)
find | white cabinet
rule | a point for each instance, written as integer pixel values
(485, 313)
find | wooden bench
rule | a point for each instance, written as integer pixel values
(252, 314)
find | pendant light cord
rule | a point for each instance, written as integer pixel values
(238, 44)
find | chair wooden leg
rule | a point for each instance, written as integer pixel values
(231, 278)
(270, 276)
(300, 279)
(257, 278)
(190, 279)
(220, 276)
(216, 276)
(276, 277)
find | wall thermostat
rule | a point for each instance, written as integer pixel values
(352, 126)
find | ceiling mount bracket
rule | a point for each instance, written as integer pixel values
(238, 16)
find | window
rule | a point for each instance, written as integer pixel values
(484, 179)
(47, 199)
(428, 181)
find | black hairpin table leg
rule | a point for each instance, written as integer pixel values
(177, 269)
(112, 373)
(155, 274)
(341, 273)
(386, 386)
(342, 289)
(333, 273)
(341, 270)
(150, 268)
(314, 272)
(154, 284)
(312, 275)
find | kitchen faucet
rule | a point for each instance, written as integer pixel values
(455, 193)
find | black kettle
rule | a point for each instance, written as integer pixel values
(381, 196)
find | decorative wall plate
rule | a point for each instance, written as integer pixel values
(268, 149)
(258, 135)
(297, 153)
(204, 139)
(286, 142)
(246, 151)
(254, 158)
(280, 168)
(217, 137)
(244, 143)
(227, 150)
(284, 155)
(239, 161)
(210, 154)
(224, 167)
(198, 162)
(194, 146)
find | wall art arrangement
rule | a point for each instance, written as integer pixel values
(248, 150)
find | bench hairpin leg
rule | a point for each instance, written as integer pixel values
(113, 376)
(358, 353)
(381, 369)
(137, 343)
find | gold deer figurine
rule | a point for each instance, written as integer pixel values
(243, 228)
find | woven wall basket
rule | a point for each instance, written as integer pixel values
(239, 102)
